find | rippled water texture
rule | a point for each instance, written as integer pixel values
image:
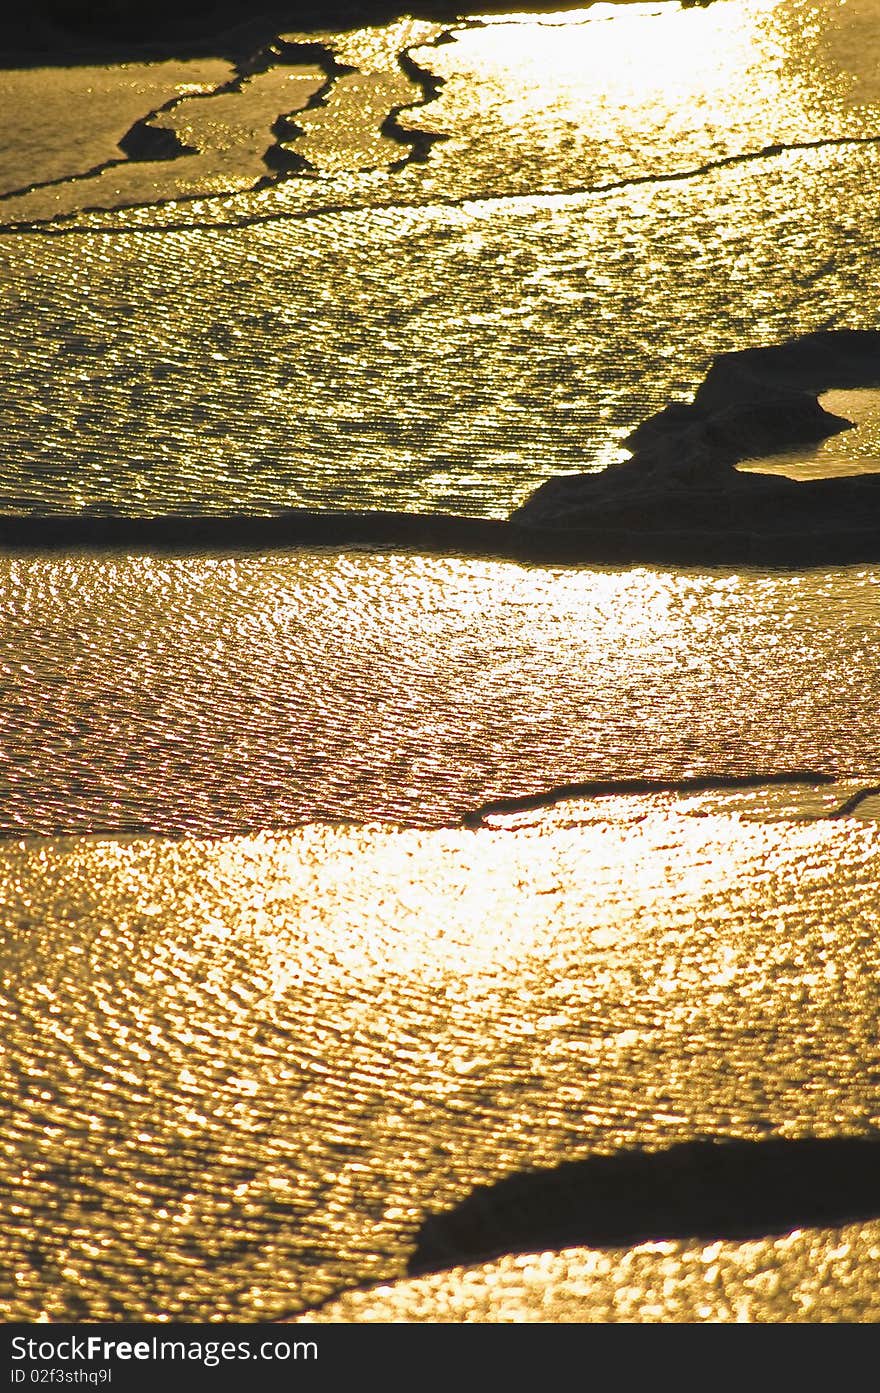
(244, 1056)
(244, 1070)
(222, 694)
(811, 1275)
(470, 324)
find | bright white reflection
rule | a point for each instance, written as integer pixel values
(810, 1275)
(242, 1069)
(616, 62)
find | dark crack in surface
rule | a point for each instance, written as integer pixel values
(146, 142)
(420, 142)
(280, 158)
(142, 142)
(63, 224)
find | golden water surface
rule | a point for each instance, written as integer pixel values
(248, 1049)
(243, 1070)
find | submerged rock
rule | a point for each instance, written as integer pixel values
(682, 476)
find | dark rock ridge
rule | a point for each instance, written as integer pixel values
(64, 31)
(680, 500)
(710, 1189)
(855, 801)
(682, 477)
(444, 534)
(606, 788)
(433, 533)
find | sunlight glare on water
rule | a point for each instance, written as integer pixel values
(632, 86)
(240, 1072)
(221, 694)
(247, 1054)
(436, 337)
(809, 1275)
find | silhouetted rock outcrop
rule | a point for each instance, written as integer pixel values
(679, 500)
(714, 1189)
(682, 475)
